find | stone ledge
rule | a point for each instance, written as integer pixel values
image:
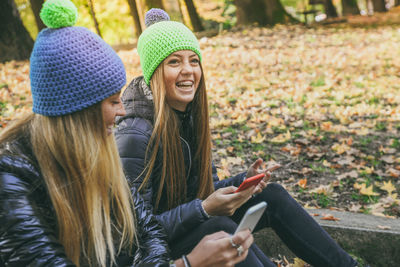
(374, 239)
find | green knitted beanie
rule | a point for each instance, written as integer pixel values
(160, 40)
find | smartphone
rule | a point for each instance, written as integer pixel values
(250, 182)
(251, 217)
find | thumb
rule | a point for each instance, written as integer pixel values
(227, 190)
(257, 164)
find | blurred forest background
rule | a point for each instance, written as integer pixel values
(311, 84)
(121, 21)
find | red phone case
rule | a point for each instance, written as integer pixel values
(254, 180)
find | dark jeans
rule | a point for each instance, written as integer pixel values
(297, 229)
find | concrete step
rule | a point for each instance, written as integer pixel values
(374, 239)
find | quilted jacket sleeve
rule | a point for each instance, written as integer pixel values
(26, 239)
(132, 138)
(153, 247)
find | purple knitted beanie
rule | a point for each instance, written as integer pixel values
(71, 68)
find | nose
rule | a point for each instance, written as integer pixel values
(121, 110)
(187, 68)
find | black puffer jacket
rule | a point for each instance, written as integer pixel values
(28, 235)
(133, 134)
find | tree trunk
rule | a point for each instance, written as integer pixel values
(15, 41)
(276, 13)
(261, 12)
(183, 12)
(194, 16)
(379, 5)
(396, 2)
(149, 4)
(250, 11)
(330, 9)
(36, 5)
(350, 7)
(135, 16)
(93, 14)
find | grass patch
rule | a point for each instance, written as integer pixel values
(365, 141)
(373, 101)
(318, 82)
(395, 144)
(321, 169)
(381, 126)
(323, 200)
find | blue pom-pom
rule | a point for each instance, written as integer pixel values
(155, 15)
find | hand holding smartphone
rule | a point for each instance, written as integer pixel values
(251, 217)
(254, 180)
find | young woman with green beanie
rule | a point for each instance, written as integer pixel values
(64, 199)
(165, 145)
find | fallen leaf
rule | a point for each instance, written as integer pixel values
(355, 207)
(281, 138)
(235, 160)
(326, 163)
(340, 148)
(257, 140)
(302, 141)
(388, 186)
(329, 217)
(302, 183)
(388, 159)
(377, 209)
(346, 160)
(222, 152)
(326, 126)
(293, 150)
(393, 173)
(367, 170)
(349, 141)
(367, 190)
(230, 149)
(352, 174)
(306, 170)
(323, 190)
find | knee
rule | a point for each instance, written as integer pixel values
(276, 195)
(221, 223)
(275, 188)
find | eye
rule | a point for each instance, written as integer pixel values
(115, 101)
(173, 61)
(195, 61)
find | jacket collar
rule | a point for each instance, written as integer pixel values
(138, 100)
(184, 115)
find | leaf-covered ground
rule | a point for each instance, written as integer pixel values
(322, 102)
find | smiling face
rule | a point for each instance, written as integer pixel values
(112, 107)
(182, 75)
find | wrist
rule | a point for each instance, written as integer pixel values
(192, 261)
(177, 263)
(206, 214)
(186, 261)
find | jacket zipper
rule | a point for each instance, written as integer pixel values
(190, 157)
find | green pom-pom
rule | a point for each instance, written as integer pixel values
(59, 13)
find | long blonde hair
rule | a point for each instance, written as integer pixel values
(86, 184)
(166, 136)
